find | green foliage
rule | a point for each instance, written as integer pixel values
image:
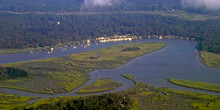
(196, 85)
(101, 102)
(210, 59)
(24, 31)
(128, 49)
(64, 74)
(12, 51)
(11, 73)
(135, 105)
(141, 96)
(8, 102)
(128, 76)
(145, 97)
(94, 57)
(210, 44)
(78, 5)
(100, 85)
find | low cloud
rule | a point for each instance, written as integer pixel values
(208, 4)
(100, 2)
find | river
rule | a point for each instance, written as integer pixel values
(177, 60)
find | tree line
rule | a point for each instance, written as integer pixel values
(31, 30)
(128, 49)
(78, 5)
(11, 73)
(101, 102)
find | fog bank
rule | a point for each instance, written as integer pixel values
(208, 4)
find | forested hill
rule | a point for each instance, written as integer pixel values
(79, 5)
(19, 30)
(89, 5)
(31, 30)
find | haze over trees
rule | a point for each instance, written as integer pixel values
(82, 5)
(39, 30)
(22, 31)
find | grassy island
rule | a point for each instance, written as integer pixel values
(196, 85)
(14, 51)
(63, 74)
(210, 59)
(128, 76)
(100, 85)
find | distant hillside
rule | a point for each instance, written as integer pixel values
(20, 30)
(82, 5)
(79, 5)
(31, 30)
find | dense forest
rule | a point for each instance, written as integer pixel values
(33, 30)
(78, 5)
(39, 30)
(101, 102)
(11, 73)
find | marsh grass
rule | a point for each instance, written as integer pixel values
(196, 85)
(64, 74)
(12, 51)
(210, 59)
(145, 97)
(100, 85)
(8, 102)
(128, 76)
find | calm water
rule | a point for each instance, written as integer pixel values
(177, 60)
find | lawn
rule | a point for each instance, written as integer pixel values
(64, 74)
(100, 85)
(196, 85)
(210, 59)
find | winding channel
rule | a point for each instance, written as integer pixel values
(177, 60)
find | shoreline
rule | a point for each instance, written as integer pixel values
(106, 92)
(113, 66)
(193, 87)
(6, 51)
(210, 59)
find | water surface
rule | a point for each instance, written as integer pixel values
(177, 60)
